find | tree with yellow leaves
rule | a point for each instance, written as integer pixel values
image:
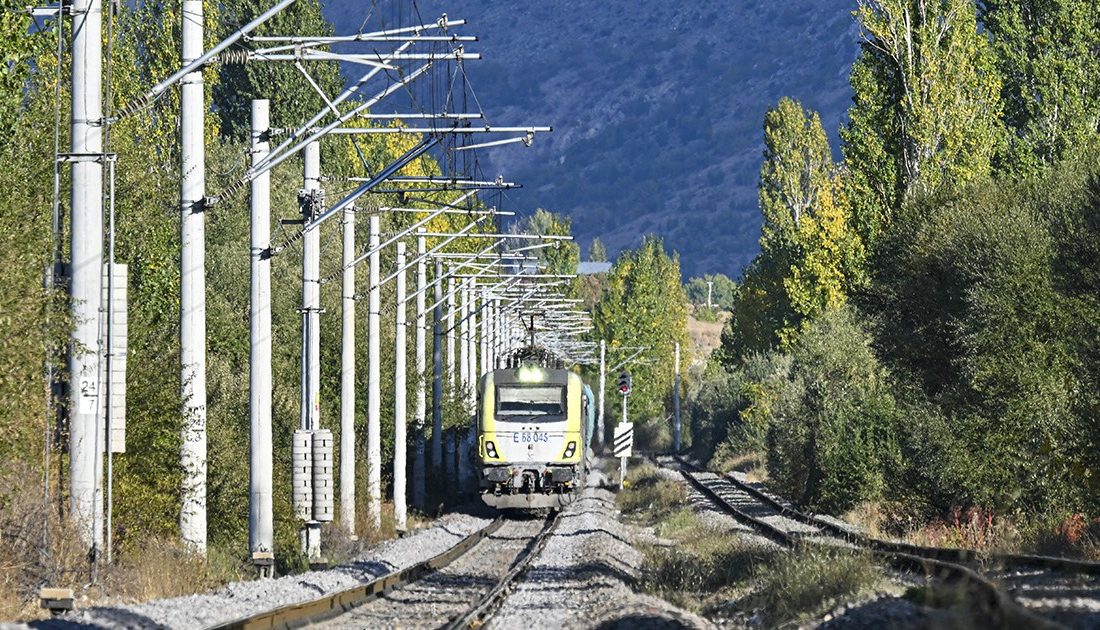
(810, 257)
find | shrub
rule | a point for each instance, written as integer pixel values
(830, 429)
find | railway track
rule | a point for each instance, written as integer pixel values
(458, 588)
(967, 568)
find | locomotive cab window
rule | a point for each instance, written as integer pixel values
(521, 403)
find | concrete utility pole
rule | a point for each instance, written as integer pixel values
(471, 343)
(193, 285)
(486, 310)
(374, 389)
(449, 327)
(311, 201)
(489, 332)
(437, 371)
(463, 341)
(260, 521)
(86, 275)
(400, 439)
(603, 387)
(347, 377)
(419, 468)
(676, 401)
(710, 291)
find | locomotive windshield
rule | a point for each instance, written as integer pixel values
(515, 403)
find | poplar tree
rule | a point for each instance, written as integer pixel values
(1048, 53)
(927, 106)
(644, 305)
(810, 257)
(561, 257)
(597, 252)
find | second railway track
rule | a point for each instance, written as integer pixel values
(994, 599)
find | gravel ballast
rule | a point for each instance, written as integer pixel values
(443, 595)
(582, 577)
(241, 599)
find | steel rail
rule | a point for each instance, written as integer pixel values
(485, 607)
(1003, 611)
(949, 554)
(329, 606)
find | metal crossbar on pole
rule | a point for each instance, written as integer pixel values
(389, 131)
(443, 23)
(413, 228)
(194, 63)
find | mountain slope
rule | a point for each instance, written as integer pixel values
(657, 107)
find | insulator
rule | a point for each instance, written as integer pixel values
(134, 106)
(301, 475)
(233, 57)
(322, 476)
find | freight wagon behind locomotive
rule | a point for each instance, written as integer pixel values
(533, 426)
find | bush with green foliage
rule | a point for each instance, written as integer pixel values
(831, 425)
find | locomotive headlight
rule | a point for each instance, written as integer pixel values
(491, 449)
(570, 448)
(529, 374)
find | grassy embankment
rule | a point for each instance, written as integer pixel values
(722, 574)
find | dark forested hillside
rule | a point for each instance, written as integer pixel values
(657, 107)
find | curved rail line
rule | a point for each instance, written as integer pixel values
(480, 612)
(329, 606)
(947, 554)
(1000, 609)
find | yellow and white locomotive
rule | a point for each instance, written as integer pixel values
(534, 425)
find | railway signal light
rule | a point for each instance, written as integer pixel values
(625, 384)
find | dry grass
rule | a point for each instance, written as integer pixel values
(710, 570)
(970, 529)
(649, 495)
(704, 566)
(153, 569)
(39, 548)
(809, 580)
(706, 336)
(1075, 536)
(726, 459)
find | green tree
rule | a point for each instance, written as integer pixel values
(970, 309)
(644, 305)
(597, 252)
(810, 257)
(1048, 53)
(927, 106)
(561, 257)
(830, 259)
(722, 291)
(293, 99)
(20, 47)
